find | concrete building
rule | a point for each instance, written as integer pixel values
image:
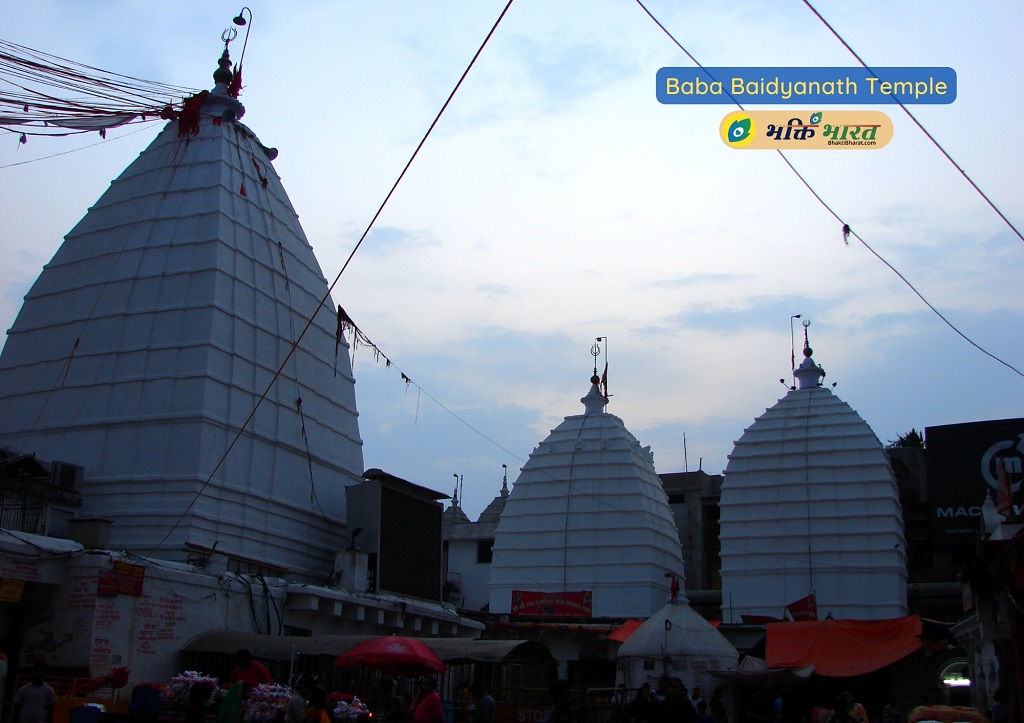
(693, 498)
(468, 552)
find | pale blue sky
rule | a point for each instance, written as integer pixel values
(558, 201)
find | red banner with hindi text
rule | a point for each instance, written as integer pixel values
(552, 604)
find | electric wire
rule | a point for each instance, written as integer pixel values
(846, 228)
(323, 300)
(924, 130)
(848, 231)
(76, 150)
(96, 98)
(408, 381)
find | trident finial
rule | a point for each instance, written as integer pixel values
(227, 36)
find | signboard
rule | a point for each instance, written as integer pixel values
(10, 590)
(130, 578)
(124, 579)
(520, 713)
(107, 584)
(965, 465)
(13, 568)
(552, 604)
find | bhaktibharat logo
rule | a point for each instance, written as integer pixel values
(738, 129)
(789, 129)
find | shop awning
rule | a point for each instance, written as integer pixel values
(841, 648)
(751, 671)
(454, 650)
(283, 647)
(271, 647)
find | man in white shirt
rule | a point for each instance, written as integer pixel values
(34, 702)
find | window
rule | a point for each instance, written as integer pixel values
(484, 551)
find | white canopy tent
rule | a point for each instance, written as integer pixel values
(675, 642)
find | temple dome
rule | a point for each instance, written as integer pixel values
(150, 337)
(809, 505)
(588, 513)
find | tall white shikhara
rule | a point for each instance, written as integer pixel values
(809, 505)
(150, 336)
(588, 513)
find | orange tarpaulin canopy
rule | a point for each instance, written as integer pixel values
(621, 634)
(841, 648)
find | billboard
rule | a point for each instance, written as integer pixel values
(966, 463)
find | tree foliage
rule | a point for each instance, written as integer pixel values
(911, 439)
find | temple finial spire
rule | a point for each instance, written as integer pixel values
(808, 374)
(220, 102)
(223, 76)
(595, 401)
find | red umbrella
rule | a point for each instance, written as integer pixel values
(394, 655)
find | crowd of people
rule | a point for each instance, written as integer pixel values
(671, 702)
(475, 705)
(769, 705)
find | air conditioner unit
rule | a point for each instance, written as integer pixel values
(67, 476)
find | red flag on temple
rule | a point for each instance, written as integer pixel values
(806, 608)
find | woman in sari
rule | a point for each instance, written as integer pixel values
(230, 709)
(319, 710)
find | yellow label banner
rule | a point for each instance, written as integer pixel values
(812, 130)
(10, 590)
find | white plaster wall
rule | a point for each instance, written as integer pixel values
(474, 575)
(143, 633)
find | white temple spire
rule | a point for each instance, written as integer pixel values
(809, 505)
(808, 374)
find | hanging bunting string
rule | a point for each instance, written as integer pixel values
(43, 94)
